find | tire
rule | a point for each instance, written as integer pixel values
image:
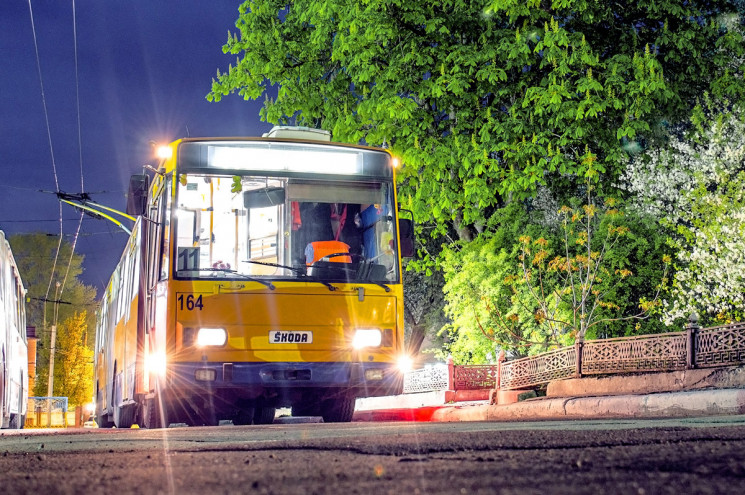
(264, 415)
(244, 416)
(102, 420)
(339, 409)
(2, 388)
(17, 421)
(123, 415)
(152, 416)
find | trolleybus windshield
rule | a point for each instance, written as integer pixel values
(280, 228)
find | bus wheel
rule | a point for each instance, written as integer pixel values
(338, 409)
(244, 416)
(151, 414)
(17, 420)
(101, 420)
(2, 387)
(264, 415)
(123, 415)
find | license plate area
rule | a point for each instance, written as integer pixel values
(290, 337)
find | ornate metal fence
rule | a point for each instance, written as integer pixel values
(692, 348)
(530, 371)
(720, 346)
(661, 352)
(427, 379)
(451, 377)
(475, 377)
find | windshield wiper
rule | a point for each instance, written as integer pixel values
(366, 265)
(381, 284)
(234, 272)
(301, 272)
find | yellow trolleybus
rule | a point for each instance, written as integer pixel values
(260, 273)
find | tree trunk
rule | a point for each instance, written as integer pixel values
(415, 341)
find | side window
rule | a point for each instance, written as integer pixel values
(164, 215)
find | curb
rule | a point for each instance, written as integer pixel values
(717, 402)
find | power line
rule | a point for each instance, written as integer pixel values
(35, 221)
(77, 93)
(43, 96)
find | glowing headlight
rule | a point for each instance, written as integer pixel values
(164, 152)
(367, 338)
(405, 363)
(211, 337)
(156, 363)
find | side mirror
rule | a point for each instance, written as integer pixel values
(137, 195)
(406, 233)
(263, 198)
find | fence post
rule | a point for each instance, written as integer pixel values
(578, 351)
(451, 373)
(692, 328)
(500, 360)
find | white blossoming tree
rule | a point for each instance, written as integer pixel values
(696, 188)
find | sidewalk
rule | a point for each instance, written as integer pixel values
(697, 403)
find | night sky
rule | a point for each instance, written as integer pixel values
(144, 68)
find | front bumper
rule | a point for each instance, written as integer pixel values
(363, 379)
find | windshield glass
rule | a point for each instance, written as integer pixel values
(285, 228)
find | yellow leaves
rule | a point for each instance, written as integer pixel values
(647, 305)
(623, 273)
(581, 238)
(590, 210)
(540, 256)
(666, 259)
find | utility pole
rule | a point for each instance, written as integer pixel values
(53, 341)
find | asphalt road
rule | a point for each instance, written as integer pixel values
(644, 457)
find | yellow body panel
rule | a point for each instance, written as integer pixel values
(249, 315)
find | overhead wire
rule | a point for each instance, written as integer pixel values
(77, 94)
(80, 151)
(51, 148)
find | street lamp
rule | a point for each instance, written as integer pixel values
(50, 382)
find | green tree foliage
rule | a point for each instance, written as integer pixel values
(484, 100)
(546, 280)
(35, 255)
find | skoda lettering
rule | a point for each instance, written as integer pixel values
(290, 337)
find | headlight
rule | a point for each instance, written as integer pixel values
(405, 363)
(156, 363)
(367, 338)
(211, 337)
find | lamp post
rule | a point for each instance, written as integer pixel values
(53, 339)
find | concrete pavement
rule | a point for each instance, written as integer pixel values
(696, 403)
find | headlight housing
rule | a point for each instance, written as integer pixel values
(211, 337)
(367, 337)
